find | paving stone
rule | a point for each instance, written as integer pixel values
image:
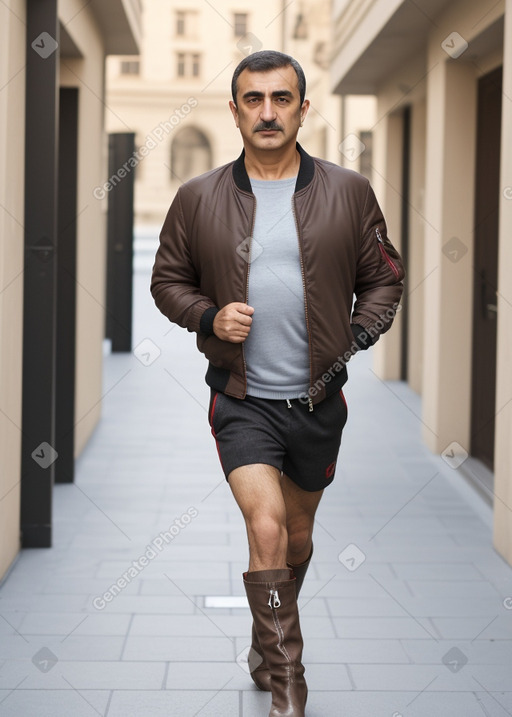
(186, 625)
(487, 652)
(450, 588)
(39, 673)
(465, 678)
(207, 703)
(491, 627)
(382, 627)
(53, 703)
(179, 649)
(73, 647)
(149, 604)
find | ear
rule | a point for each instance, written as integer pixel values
(304, 110)
(234, 111)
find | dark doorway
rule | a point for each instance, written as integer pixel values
(487, 195)
(118, 324)
(38, 454)
(66, 286)
(404, 244)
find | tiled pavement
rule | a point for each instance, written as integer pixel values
(411, 621)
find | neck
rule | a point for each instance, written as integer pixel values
(275, 164)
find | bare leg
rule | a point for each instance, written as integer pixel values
(257, 490)
(301, 507)
(279, 516)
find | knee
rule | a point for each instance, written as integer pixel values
(265, 528)
(299, 538)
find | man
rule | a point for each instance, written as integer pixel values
(261, 258)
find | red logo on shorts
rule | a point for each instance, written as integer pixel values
(329, 471)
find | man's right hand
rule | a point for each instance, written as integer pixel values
(233, 322)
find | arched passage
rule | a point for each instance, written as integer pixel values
(191, 154)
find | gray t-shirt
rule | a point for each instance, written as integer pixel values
(276, 350)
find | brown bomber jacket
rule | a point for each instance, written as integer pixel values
(344, 250)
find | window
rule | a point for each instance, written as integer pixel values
(196, 65)
(180, 68)
(186, 23)
(191, 154)
(130, 67)
(240, 24)
(300, 31)
(188, 64)
(180, 22)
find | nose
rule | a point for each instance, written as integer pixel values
(268, 112)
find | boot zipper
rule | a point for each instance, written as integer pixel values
(384, 253)
(273, 600)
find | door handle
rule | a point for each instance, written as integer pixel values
(492, 310)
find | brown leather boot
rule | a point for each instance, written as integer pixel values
(272, 597)
(257, 666)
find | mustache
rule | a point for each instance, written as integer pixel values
(262, 126)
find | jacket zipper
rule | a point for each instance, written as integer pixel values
(247, 287)
(310, 402)
(384, 253)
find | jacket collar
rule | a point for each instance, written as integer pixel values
(306, 171)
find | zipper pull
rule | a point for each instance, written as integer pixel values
(379, 237)
(310, 404)
(288, 403)
(275, 602)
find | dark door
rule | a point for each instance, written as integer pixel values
(487, 194)
(66, 285)
(38, 454)
(118, 325)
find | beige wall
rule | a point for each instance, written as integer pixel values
(450, 171)
(387, 182)
(449, 206)
(12, 141)
(400, 90)
(503, 450)
(87, 74)
(443, 147)
(358, 114)
(416, 274)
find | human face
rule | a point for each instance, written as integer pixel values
(268, 110)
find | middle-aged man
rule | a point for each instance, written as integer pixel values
(261, 258)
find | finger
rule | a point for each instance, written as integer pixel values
(241, 335)
(244, 308)
(244, 320)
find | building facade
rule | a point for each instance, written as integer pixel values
(52, 59)
(175, 95)
(441, 72)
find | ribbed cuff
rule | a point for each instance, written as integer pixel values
(206, 321)
(361, 337)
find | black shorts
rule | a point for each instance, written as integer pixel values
(301, 443)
